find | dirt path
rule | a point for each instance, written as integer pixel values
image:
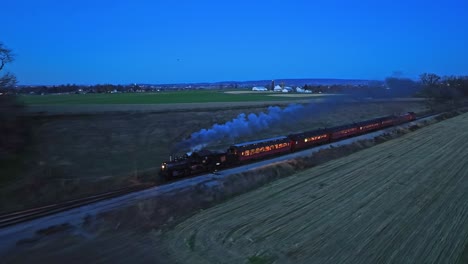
(404, 201)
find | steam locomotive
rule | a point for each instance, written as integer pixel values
(210, 161)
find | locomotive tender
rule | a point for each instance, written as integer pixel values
(209, 161)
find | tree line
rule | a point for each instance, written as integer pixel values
(14, 128)
(73, 88)
(444, 88)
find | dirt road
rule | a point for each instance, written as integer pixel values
(404, 201)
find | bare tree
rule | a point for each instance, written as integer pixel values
(431, 89)
(8, 80)
(429, 79)
(444, 92)
(13, 127)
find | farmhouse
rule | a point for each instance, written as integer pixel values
(259, 88)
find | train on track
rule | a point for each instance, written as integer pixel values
(209, 161)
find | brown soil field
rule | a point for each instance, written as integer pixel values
(299, 95)
(246, 92)
(403, 201)
(276, 94)
(75, 154)
(150, 108)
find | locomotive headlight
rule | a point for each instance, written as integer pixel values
(163, 166)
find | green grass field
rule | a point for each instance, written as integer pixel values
(150, 98)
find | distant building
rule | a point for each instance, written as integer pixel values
(259, 89)
(287, 89)
(278, 88)
(300, 90)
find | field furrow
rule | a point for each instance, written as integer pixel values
(403, 201)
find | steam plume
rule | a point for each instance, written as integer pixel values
(243, 125)
(246, 125)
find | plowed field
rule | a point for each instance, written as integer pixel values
(403, 201)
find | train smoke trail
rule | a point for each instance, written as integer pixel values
(243, 125)
(246, 125)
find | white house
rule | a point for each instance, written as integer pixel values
(278, 88)
(259, 89)
(287, 89)
(300, 90)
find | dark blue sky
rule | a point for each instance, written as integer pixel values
(153, 41)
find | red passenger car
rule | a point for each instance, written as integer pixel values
(309, 139)
(343, 131)
(410, 116)
(260, 148)
(370, 125)
(388, 121)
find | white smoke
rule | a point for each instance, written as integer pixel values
(247, 125)
(243, 125)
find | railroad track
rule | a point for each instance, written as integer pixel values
(427, 115)
(30, 214)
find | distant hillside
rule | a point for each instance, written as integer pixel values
(300, 82)
(288, 82)
(223, 84)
